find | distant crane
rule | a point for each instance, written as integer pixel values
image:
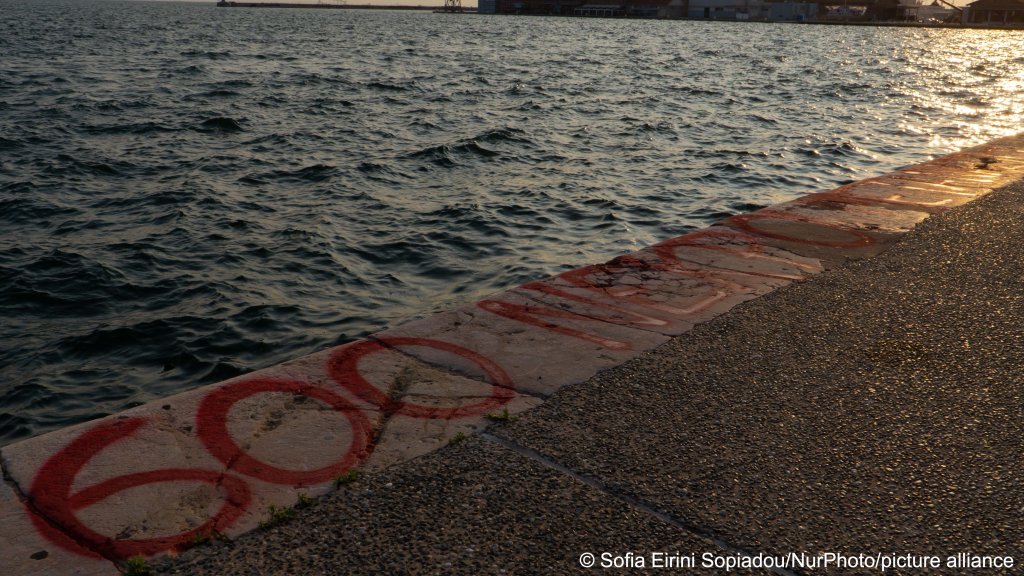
(953, 6)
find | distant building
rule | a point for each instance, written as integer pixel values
(753, 10)
(995, 12)
(659, 8)
(720, 9)
(889, 11)
(934, 12)
(792, 11)
(595, 8)
(846, 11)
(761, 10)
(608, 9)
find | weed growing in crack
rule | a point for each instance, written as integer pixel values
(305, 501)
(502, 416)
(277, 515)
(346, 478)
(137, 566)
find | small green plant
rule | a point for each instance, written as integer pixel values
(277, 515)
(137, 566)
(459, 437)
(502, 416)
(346, 478)
(305, 501)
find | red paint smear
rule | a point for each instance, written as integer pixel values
(851, 197)
(51, 495)
(750, 249)
(637, 318)
(743, 222)
(343, 367)
(665, 250)
(533, 315)
(628, 263)
(212, 429)
(670, 263)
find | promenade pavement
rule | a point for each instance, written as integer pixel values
(876, 409)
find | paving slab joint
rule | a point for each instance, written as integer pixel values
(31, 509)
(631, 501)
(10, 481)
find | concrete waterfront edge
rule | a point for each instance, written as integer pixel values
(223, 458)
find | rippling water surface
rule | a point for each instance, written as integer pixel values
(188, 193)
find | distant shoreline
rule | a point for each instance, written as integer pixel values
(473, 10)
(332, 6)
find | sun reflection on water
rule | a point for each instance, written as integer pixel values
(971, 79)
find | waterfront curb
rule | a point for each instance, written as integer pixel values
(223, 458)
